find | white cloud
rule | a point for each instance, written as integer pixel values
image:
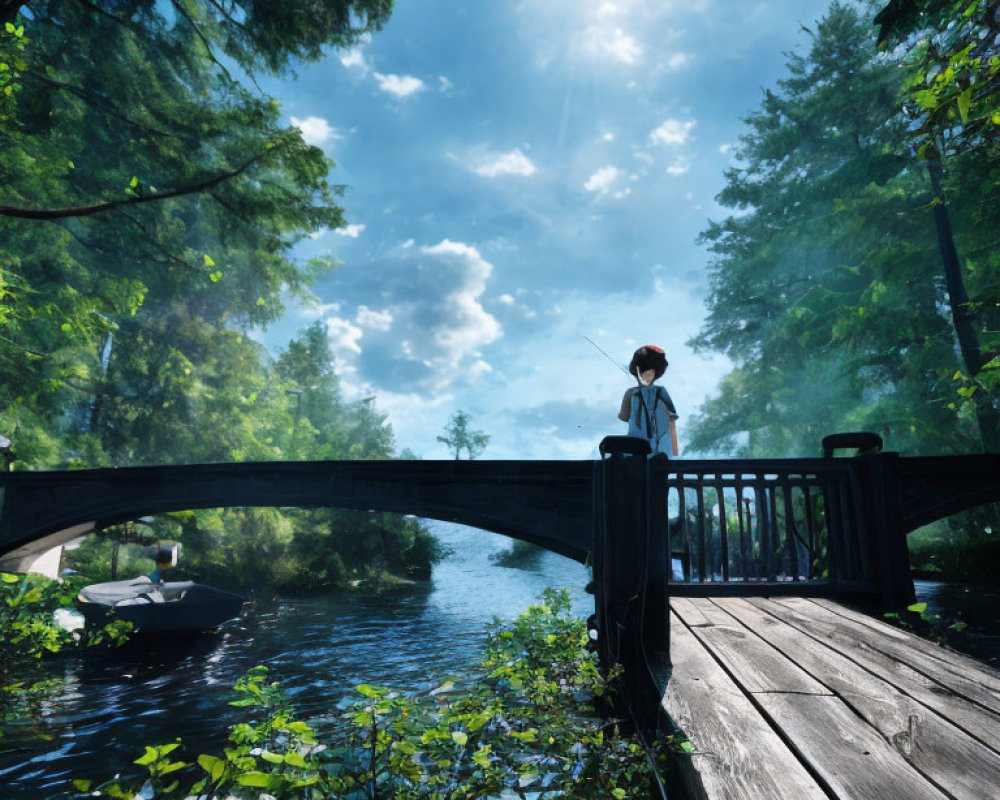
(399, 85)
(602, 180)
(672, 131)
(513, 162)
(679, 166)
(725, 148)
(506, 299)
(445, 85)
(372, 320)
(465, 325)
(480, 368)
(317, 310)
(608, 137)
(353, 58)
(616, 45)
(315, 130)
(343, 336)
(678, 60)
(350, 231)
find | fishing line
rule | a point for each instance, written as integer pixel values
(609, 358)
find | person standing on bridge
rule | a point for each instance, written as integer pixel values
(646, 407)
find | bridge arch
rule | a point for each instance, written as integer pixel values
(548, 503)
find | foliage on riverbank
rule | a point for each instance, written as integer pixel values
(527, 729)
(29, 630)
(960, 552)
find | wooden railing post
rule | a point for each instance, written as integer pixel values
(630, 578)
(884, 513)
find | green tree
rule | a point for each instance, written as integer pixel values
(825, 288)
(460, 438)
(160, 188)
(952, 57)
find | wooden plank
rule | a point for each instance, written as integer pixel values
(853, 760)
(688, 611)
(988, 676)
(754, 664)
(962, 676)
(737, 755)
(868, 652)
(928, 741)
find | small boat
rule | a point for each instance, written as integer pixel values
(175, 606)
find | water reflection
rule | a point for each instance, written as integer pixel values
(319, 648)
(974, 606)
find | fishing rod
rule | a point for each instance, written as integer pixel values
(609, 358)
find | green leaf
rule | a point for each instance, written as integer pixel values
(259, 779)
(294, 759)
(148, 757)
(215, 767)
(368, 690)
(460, 738)
(964, 101)
(272, 758)
(134, 182)
(209, 262)
(214, 277)
(918, 608)
(82, 785)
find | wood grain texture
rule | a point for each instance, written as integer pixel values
(737, 755)
(865, 648)
(854, 761)
(753, 663)
(988, 675)
(963, 676)
(933, 745)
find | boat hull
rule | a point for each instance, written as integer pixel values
(170, 607)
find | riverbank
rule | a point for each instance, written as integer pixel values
(319, 647)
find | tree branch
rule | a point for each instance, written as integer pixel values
(179, 6)
(157, 244)
(110, 205)
(84, 94)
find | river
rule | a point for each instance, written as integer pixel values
(111, 705)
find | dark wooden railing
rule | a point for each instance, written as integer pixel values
(830, 526)
(803, 522)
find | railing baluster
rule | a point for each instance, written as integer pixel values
(702, 554)
(791, 546)
(741, 504)
(682, 510)
(720, 497)
(810, 528)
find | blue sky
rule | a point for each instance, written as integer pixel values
(518, 176)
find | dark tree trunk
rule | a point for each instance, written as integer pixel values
(963, 318)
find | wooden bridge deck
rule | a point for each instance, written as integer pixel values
(803, 699)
